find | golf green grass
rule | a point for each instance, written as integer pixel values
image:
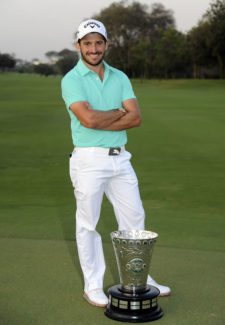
(179, 157)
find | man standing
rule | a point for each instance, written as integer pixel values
(102, 105)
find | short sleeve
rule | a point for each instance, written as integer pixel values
(72, 91)
(127, 92)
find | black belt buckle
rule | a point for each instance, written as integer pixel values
(114, 151)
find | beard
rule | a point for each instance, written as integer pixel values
(85, 58)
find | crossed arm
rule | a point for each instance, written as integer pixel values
(112, 120)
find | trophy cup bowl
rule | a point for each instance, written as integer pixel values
(133, 300)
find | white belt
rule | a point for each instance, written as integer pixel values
(115, 151)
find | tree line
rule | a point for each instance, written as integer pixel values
(58, 63)
(145, 43)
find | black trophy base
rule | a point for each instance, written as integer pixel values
(133, 307)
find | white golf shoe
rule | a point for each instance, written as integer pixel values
(164, 291)
(96, 297)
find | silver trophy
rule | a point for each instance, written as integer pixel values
(133, 300)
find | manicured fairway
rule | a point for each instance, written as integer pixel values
(179, 157)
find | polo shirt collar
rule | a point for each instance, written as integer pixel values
(107, 66)
(83, 69)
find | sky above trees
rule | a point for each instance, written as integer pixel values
(31, 28)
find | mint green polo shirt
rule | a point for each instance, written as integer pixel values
(82, 84)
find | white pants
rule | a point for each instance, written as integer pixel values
(93, 172)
